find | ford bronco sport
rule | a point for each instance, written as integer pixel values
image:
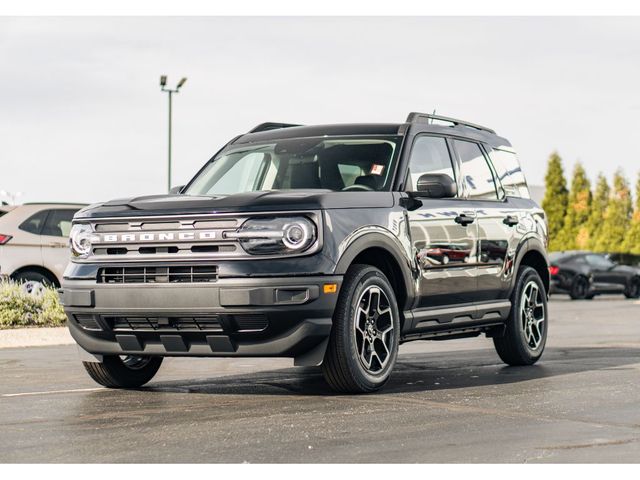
(329, 244)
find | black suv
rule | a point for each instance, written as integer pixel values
(330, 244)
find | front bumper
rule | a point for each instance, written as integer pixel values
(288, 317)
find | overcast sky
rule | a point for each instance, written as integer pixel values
(82, 117)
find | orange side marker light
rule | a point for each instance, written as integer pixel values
(330, 288)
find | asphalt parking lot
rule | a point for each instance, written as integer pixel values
(446, 402)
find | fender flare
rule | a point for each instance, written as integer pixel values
(387, 242)
(530, 244)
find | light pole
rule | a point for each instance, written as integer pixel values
(163, 87)
(11, 195)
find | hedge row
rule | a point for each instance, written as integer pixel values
(21, 309)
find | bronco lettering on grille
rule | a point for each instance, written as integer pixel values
(160, 237)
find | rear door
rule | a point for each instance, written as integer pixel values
(443, 231)
(55, 239)
(497, 221)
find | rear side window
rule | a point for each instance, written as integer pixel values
(429, 155)
(35, 222)
(58, 224)
(509, 172)
(476, 172)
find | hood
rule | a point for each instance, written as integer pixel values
(240, 202)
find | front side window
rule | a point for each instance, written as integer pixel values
(327, 163)
(429, 155)
(476, 173)
(599, 262)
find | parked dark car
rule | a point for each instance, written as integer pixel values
(583, 275)
(331, 244)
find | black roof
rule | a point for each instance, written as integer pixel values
(319, 131)
(417, 122)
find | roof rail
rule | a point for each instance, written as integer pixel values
(263, 127)
(75, 204)
(417, 117)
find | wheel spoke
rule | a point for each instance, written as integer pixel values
(373, 329)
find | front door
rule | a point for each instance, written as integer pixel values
(443, 231)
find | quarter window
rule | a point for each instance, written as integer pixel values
(429, 155)
(35, 222)
(476, 173)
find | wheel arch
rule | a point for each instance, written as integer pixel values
(534, 255)
(38, 269)
(377, 250)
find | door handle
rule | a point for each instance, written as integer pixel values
(464, 220)
(511, 220)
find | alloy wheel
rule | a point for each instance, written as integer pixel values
(532, 314)
(373, 326)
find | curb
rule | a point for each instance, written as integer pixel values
(35, 337)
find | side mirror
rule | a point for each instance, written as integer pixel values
(436, 185)
(176, 190)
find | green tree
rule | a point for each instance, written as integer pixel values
(575, 233)
(617, 217)
(598, 207)
(632, 241)
(555, 200)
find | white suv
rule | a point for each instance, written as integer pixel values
(34, 241)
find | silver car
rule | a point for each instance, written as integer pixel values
(34, 241)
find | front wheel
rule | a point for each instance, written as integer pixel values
(123, 371)
(526, 329)
(364, 340)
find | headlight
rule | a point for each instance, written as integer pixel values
(80, 240)
(267, 236)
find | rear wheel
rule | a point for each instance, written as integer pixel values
(526, 329)
(633, 289)
(364, 340)
(580, 288)
(126, 371)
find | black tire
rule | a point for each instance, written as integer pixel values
(130, 372)
(356, 335)
(633, 289)
(580, 288)
(513, 347)
(32, 276)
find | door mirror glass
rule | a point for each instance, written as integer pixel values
(436, 185)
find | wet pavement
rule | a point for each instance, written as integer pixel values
(448, 401)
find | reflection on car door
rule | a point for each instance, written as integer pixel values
(443, 232)
(54, 240)
(497, 222)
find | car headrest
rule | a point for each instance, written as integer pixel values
(371, 181)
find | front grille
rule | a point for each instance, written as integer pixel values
(126, 323)
(169, 274)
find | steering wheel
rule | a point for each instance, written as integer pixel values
(357, 186)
